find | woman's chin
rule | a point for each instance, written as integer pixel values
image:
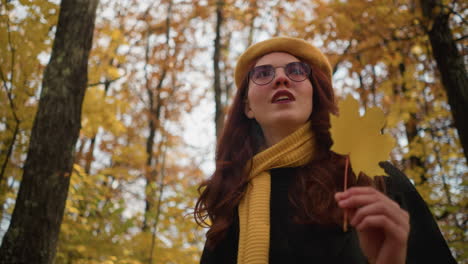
(284, 123)
(289, 121)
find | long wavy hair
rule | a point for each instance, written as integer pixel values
(312, 190)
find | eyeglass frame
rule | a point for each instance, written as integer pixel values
(305, 65)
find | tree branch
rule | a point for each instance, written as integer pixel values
(10, 150)
(461, 38)
(106, 82)
(452, 11)
(10, 99)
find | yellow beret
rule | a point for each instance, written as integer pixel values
(294, 46)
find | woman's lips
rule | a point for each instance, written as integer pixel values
(282, 97)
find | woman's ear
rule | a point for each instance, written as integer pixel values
(247, 110)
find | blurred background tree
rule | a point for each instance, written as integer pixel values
(161, 78)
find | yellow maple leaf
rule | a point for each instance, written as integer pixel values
(361, 137)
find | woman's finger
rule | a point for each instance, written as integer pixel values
(385, 208)
(361, 196)
(357, 191)
(390, 228)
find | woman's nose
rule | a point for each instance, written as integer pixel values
(281, 78)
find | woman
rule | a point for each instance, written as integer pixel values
(275, 194)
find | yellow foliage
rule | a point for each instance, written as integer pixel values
(101, 111)
(396, 115)
(417, 50)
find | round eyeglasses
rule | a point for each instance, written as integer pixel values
(264, 74)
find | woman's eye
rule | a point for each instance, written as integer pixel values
(263, 73)
(296, 70)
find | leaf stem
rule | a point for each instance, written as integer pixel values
(345, 217)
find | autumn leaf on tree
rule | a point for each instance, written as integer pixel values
(360, 137)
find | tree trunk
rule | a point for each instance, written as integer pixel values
(35, 224)
(415, 163)
(155, 107)
(254, 8)
(219, 107)
(162, 185)
(450, 64)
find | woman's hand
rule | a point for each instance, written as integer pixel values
(381, 224)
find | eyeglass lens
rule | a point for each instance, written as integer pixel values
(264, 74)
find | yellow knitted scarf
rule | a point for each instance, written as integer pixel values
(254, 209)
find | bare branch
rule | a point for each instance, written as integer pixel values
(4, 79)
(461, 38)
(10, 150)
(10, 98)
(452, 11)
(106, 82)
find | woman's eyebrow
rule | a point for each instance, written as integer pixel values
(263, 65)
(276, 65)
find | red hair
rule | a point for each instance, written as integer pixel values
(312, 191)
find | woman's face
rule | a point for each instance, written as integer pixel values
(281, 102)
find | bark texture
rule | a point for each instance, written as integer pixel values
(35, 224)
(450, 65)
